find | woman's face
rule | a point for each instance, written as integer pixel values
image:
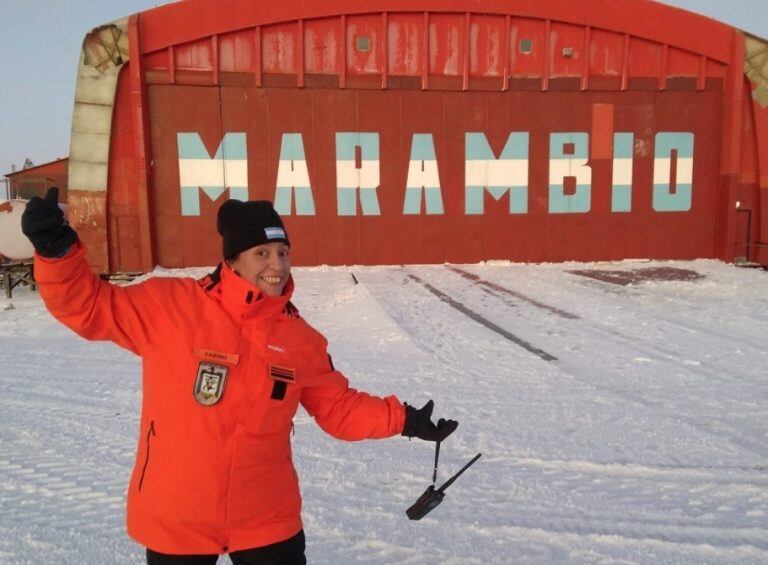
(267, 266)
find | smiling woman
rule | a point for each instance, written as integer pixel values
(266, 266)
(227, 362)
(256, 246)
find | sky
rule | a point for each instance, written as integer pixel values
(40, 45)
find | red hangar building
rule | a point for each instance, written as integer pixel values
(394, 131)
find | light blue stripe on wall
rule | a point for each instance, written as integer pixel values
(190, 196)
(621, 194)
(666, 141)
(623, 145)
(292, 147)
(580, 140)
(621, 198)
(578, 203)
(478, 149)
(423, 147)
(346, 201)
(347, 141)
(663, 201)
(474, 203)
(232, 146)
(238, 193)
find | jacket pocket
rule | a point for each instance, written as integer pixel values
(150, 433)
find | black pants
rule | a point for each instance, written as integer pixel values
(288, 552)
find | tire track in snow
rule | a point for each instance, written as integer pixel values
(494, 287)
(689, 327)
(423, 340)
(718, 428)
(630, 342)
(471, 314)
(575, 367)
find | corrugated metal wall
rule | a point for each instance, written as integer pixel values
(428, 136)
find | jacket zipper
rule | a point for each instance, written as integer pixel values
(150, 432)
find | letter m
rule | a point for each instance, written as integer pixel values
(226, 170)
(483, 171)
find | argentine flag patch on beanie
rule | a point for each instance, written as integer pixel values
(274, 233)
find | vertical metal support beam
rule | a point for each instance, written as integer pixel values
(701, 82)
(465, 55)
(625, 63)
(171, 65)
(343, 55)
(142, 149)
(585, 55)
(215, 58)
(257, 56)
(547, 54)
(664, 67)
(731, 151)
(425, 54)
(300, 31)
(384, 50)
(505, 57)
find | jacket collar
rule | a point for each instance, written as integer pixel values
(244, 299)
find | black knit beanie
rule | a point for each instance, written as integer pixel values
(243, 225)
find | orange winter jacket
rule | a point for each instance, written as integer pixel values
(224, 370)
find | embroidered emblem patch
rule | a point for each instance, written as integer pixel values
(210, 382)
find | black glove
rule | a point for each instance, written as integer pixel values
(44, 224)
(418, 423)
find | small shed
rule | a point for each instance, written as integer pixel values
(34, 181)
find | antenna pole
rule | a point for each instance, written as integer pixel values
(449, 482)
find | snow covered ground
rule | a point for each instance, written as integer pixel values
(618, 424)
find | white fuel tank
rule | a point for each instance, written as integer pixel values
(13, 243)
